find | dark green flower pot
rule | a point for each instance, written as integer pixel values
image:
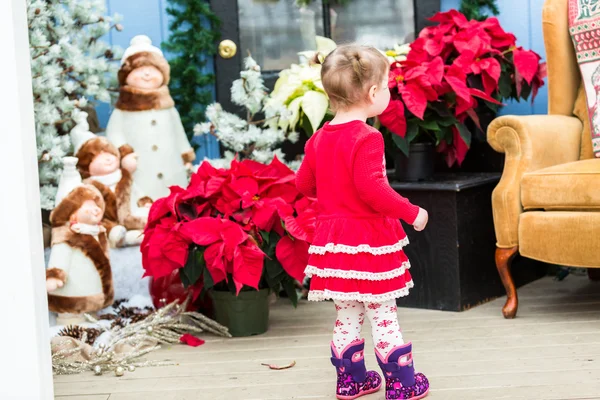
(246, 314)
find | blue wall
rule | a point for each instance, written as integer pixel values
(523, 18)
(148, 17)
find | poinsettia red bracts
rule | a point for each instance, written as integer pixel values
(452, 66)
(224, 213)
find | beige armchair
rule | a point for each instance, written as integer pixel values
(547, 204)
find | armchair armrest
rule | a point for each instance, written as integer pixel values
(530, 143)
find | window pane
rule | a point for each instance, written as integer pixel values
(383, 25)
(276, 30)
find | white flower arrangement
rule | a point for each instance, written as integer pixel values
(247, 138)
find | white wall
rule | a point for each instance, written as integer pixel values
(26, 371)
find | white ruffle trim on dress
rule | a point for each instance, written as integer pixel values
(362, 248)
(320, 295)
(361, 275)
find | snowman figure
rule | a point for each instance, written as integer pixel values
(79, 274)
(145, 118)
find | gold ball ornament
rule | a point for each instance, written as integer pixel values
(119, 371)
(97, 370)
(131, 368)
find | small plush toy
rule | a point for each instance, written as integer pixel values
(79, 275)
(146, 119)
(110, 170)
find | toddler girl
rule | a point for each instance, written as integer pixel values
(356, 258)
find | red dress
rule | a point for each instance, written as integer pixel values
(356, 253)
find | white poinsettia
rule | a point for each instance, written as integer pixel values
(299, 89)
(398, 53)
(255, 140)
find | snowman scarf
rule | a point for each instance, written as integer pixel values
(135, 99)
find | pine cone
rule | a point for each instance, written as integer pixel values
(139, 317)
(107, 317)
(128, 312)
(74, 331)
(118, 322)
(117, 303)
(92, 335)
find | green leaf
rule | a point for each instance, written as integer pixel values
(505, 86)
(412, 130)
(525, 91)
(290, 289)
(441, 135)
(274, 273)
(402, 143)
(315, 105)
(306, 126)
(208, 281)
(440, 109)
(429, 125)
(294, 107)
(265, 236)
(465, 133)
(193, 268)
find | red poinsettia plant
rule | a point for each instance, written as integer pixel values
(454, 70)
(242, 228)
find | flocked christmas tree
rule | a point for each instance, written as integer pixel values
(247, 138)
(70, 66)
(192, 41)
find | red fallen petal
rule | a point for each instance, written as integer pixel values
(293, 256)
(191, 340)
(393, 118)
(527, 63)
(414, 98)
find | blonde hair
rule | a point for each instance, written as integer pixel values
(348, 73)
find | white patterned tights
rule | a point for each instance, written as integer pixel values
(384, 323)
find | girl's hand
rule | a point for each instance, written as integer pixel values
(421, 221)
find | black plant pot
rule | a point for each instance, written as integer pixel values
(418, 166)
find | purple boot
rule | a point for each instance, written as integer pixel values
(401, 382)
(353, 379)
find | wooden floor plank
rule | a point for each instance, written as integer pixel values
(470, 355)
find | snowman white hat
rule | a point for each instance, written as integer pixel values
(69, 179)
(80, 134)
(139, 44)
(72, 193)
